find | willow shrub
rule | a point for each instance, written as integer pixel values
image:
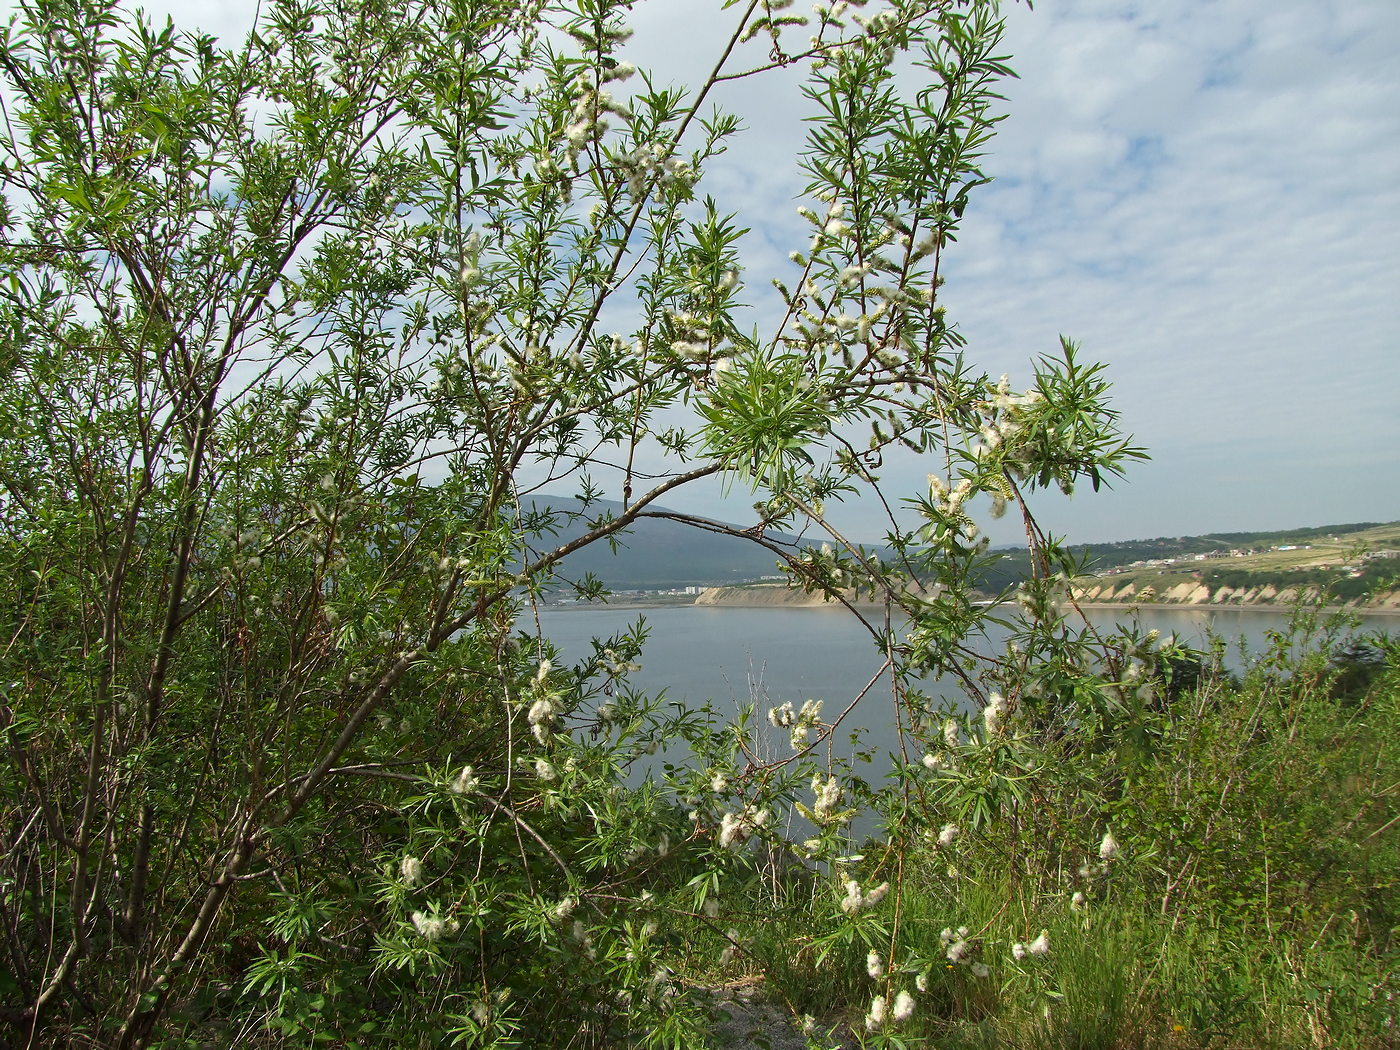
(1219, 871)
(292, 331)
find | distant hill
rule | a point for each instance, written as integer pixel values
(1097, 557)
(656, 553)
(1351, 564)
(1124, 552)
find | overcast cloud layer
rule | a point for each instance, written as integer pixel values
(1205, 193)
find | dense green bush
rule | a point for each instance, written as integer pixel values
(290, 333)
(1228, 883)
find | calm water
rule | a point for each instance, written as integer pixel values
(766, 656)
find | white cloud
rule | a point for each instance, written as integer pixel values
(1237, 269)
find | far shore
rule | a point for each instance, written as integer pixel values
(657, 603)
(733, 601)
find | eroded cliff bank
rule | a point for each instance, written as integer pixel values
(1192, 592)
(757, 595)
(761, 594)
(1096, 592)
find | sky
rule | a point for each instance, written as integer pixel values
(1205, 194)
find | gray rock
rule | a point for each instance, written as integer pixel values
(749, 1023)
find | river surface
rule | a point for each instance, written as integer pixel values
(767, 656)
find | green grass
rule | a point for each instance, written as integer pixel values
(1256, 903)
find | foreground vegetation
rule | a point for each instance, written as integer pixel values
(1220, 873)
(291, 331)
